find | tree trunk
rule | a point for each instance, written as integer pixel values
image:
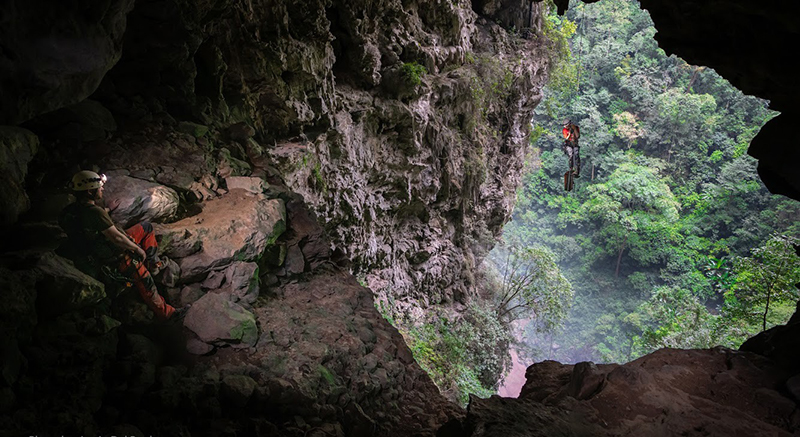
(619, 259)
(766, 310)
(694, 78)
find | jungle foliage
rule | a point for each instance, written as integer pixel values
(669, 237)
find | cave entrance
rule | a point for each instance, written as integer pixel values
(669, 224)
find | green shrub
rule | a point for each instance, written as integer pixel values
(413, 72)
(463, 356)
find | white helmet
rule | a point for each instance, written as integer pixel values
(87, 180)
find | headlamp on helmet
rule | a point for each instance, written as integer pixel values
(87, 180)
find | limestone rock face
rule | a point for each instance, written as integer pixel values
(139, 200)
(17, 148)
(402, 124)
(410, 180)
(236, 227)
(400, 127)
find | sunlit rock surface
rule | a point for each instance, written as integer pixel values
(276, 147)
(239, 226)
(139, 200)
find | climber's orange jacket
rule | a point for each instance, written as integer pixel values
(571, 132)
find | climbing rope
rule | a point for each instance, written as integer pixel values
(579, 33)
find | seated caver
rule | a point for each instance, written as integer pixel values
(94, 242)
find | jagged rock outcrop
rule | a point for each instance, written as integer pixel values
(397, 122)
(715, 392)
(403, 123)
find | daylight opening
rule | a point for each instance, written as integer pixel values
(668, 237)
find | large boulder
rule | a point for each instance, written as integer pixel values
(217, 320)
(713, 392)
(240, 280)
(17, 147)
(236, 227)
(139, 200)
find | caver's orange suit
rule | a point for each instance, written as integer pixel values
(88, 248)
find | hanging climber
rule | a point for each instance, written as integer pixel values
(94, 242)
(571, 133)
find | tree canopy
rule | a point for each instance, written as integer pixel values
(669, 237)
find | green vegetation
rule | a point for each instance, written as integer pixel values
(563, 69)
(462, 357)
(531, 285)
(319, 181)
(766, 278)
(669, 238)
(413, 72)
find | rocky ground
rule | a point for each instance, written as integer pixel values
(280, 338)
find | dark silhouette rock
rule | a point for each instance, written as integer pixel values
(17, 148)
(54, 56)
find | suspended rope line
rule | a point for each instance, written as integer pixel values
(580, 48)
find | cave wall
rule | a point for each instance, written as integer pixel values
(412, 173)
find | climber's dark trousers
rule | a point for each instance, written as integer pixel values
(143, 235)
(574, 154)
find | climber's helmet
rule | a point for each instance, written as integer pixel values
(87, 180)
